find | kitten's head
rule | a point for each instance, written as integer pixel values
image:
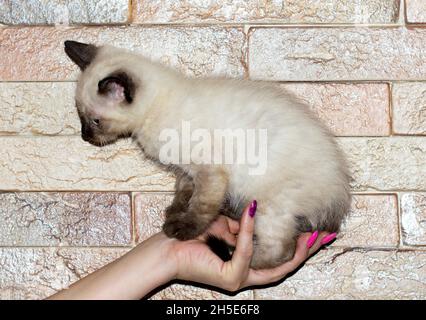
(105, 93)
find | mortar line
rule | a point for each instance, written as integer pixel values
(272, 81)
(118, 248)
(239, 24)
(400, 242)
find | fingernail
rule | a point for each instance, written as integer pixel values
(329, 238)
(252, 209)
(312, 239)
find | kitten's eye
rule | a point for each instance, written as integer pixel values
(95, 122)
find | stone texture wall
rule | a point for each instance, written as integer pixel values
(68, 208)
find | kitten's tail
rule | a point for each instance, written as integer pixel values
(220, 247)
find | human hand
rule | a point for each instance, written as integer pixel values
(164, 259)
(194, 261)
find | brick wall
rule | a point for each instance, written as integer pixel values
(68, 208)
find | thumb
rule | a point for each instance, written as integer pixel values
(244, 248)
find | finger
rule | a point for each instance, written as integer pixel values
(317, 245)
(265, 276)
(222, 231)
(230, 238)
(233, 225)
(217, 228)
(244, 248)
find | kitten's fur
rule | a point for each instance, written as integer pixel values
(306, 184)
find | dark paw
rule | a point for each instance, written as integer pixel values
(183, 227)
(180, 204)
(173, 209)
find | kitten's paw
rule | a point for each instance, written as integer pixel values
(183, 227)
(180, 204)
(174, 208)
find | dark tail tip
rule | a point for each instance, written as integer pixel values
(219, 247)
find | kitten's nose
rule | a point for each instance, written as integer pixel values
(85, 138)
(86, 133)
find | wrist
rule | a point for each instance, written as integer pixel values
(166, 262)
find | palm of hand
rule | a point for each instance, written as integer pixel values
(197, 254)
(196, 262)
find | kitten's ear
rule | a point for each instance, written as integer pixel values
(81, 53)
(118, 86)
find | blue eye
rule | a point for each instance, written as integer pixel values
(95, 122)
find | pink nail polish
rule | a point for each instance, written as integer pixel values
(312, 239)
(329, 238)
(252, 209)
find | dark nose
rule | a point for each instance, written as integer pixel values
(86, 133)
(85, 138)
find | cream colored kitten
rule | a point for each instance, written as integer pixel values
(305, 185)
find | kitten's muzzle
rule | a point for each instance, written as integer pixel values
(86, 138)
(86, 133)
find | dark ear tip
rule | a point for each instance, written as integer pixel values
(71, 43)
(67, 45)
(81, 53)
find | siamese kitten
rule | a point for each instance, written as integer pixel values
(305, 186)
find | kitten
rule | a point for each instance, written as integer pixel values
(305, 186)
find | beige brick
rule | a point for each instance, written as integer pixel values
(48, 108)
(38, 273)
(38, 108)
(355, 274)
(27, 273)
(386, 164)
(191, 292)
(409, 108)
(312, 54)
(37, 53)
(69, 163)
(415, 11)
(372, 222)
(31, 12)
(72, 219)
(413, 219)
(149, 213)
(286, 11)
(348, 109)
